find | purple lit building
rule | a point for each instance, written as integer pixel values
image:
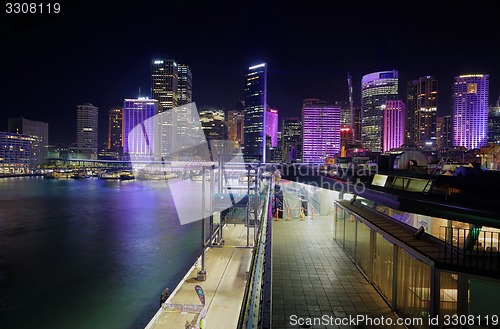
(321, 130)
(470, 110)
(272, 126)
(144, 141)
(394, 124)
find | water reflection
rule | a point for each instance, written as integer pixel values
(88, 253)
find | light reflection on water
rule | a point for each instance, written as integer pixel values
(88, 253)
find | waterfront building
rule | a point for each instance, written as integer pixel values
(376, 89)
(444, 133)
(86, 132)
(494, 123)
(16, 153)
(321, 130)
(394, 124)
(254, 148)
(470, 110)
(291, 139)
(422, 97)
(115, 129)
(39, 131)
(144, 143)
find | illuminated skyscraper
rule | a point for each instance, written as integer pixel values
(141, 143)
(470, 110)
(164, 83)
(291, 138)
(376, 89)
(394, 124)
(321, 130)
(184, 85)
(115, 129)
(164, 87)
(255, 120)
(272, 127)
(421, 111)
(86, 129)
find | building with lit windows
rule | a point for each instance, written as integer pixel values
(115, 129)
(376, 89)
(321, 131)
(184, 84)
(494, 123)
(444, 133)
(272, 127)
(16, 154)
(143, 143)
(164, 83)
(421, 109)
(254, 148)
(291, 139)
(213, 123)
(394, 124)
(86, 132)
(235, 122)
(470, 110)
(39, 131)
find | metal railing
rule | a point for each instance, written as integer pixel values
(256, 307)
(471, 247)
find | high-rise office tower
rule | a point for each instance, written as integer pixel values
(494, 123)
(143, 143)
(376, 89)
(39, 133)
(321, 130)
(272, 127)
(164, 83)
(421, 109)
(470, 110)
(394, 124)
(115, 129)
(235, 122)
(255, 121)
(184, 84)
(164, 88)
(87, 129)
(444, 133)
(291, 139)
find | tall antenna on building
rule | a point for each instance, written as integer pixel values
(139, 91)
(351, 105)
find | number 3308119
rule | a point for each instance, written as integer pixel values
(32, 8)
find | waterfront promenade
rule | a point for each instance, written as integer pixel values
(313, 277)
(224, 287)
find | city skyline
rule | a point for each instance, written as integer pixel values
(105, 70)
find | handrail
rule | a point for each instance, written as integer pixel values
(256, 309)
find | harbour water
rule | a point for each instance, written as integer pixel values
(88, 254)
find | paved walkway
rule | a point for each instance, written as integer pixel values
(314, 278)
(224, 287)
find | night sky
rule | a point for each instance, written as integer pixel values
(101, 52)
